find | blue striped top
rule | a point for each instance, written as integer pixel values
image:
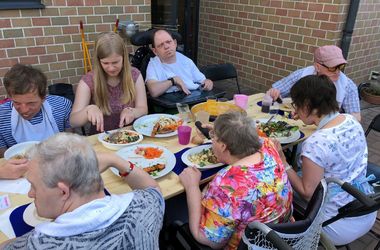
(61, 109)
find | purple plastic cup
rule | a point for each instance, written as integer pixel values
(184, 134)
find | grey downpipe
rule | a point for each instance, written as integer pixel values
(349, 27)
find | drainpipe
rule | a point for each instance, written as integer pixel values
(349, 27)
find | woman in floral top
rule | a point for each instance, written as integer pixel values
(254, 187)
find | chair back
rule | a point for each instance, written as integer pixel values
(217, 72)
(301, 234)
(62, 89)
(375, 125)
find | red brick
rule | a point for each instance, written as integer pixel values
(48, 58)
(5, 23)
(294, 13)
(44, 40)
(331, 8)
(33, 32)
(36, 51)
(8, 62)
(301, 6)
(92, 2)
(65, 56)
(315, 7)
(70, 29)
(29, 60)
(7, 43)
(328, 26)
(41, 21)
(281, 12)
(322, 16)
(75, 3)
(319, 33)
(2, 53)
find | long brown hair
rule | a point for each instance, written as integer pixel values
(107, 44)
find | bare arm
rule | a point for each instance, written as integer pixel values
(190, 178)
(137, 178)
(157, 88)
(82, 112)
(13, 168)
(141, 106)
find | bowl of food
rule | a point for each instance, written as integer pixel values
(119, 138)
(215, 108)
(19, 150)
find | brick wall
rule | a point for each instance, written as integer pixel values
(50, 38)
(268, 39)
(364, 53)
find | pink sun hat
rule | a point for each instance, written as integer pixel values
(329, 55)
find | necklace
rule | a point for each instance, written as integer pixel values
(327, 119)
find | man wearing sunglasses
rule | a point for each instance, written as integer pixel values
(329, 61)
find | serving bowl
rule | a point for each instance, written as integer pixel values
(19, 149)
(215, 108)
(116, 146)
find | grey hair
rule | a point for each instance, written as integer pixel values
(68, 158)
(238, 132)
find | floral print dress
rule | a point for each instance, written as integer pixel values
(242, 194)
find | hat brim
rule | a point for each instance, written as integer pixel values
(335, 62)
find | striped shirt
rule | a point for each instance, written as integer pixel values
(60, 107)
(137, 228)
(347, 92)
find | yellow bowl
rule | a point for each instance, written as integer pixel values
(215, 108)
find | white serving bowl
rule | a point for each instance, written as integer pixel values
(116, 146)
(19, 148)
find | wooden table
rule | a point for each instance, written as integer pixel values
(169, 184)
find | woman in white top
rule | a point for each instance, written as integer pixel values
(337, 148)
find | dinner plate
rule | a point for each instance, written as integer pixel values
(19, 149)
(195, 150)
(294, 135)
(117, 146)
(166, 158)
(145, 124)
(31, 217)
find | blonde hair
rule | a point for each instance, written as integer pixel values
(109, 43)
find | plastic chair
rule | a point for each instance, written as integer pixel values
(217, 72)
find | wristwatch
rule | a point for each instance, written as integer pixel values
(172, 80)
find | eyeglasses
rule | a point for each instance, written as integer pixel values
(167, 42)
(333, 69)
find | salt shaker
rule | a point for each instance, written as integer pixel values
(266, 103)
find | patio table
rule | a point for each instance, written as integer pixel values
(170, 184)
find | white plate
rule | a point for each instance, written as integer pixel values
(195, 150)
(31, 217)
(115, 146)
(19, 148)
(294, 135)
(145, 124)
(166, 158)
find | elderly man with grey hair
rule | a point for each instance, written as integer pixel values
(67, 187)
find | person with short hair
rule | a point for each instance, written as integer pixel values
(329, 61)
(253, 187)
(113, 94)
(66, 185)
(170, 71)
(338, 148)
(30, 115)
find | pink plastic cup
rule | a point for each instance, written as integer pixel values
(241, 101)
(184, 134)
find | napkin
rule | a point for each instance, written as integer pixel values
(19, 186)
(5, 224)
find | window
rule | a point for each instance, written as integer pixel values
(21, 4)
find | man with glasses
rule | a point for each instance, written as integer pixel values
(329, 61)
(171, 71)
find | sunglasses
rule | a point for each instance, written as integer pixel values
(333, 69)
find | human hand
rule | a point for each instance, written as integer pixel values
(126, 117)
(274, 93)
(95, 116)
(207, 84)
(204, 125)
(190, 177)
(14, 168)
(181, 85)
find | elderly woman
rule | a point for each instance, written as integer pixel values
(337, 148)
(254, 185)
(67, 187)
